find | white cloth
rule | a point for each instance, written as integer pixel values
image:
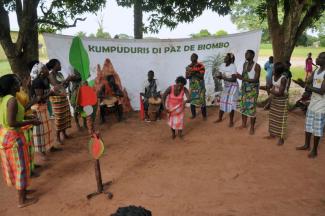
(251, 73)
(36, 70)
(277, 84)
(317, 101)
(229, 70)
(146, 84)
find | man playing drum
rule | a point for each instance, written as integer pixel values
(109, 97)
(151, 96)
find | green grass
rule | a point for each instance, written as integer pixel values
(4, 67)
(301, 52)
(297, 72)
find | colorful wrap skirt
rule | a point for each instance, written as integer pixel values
(42, 134)
(14, 158)
(229, 97)
(248, 100)
(61, 110)
(197, 92)
(278, 117)
(28, 133)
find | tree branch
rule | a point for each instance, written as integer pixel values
(60, 25)
(272, 14)
(48, 11)
(5, 37)
(311, 13)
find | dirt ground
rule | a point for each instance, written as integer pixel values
(215, 170)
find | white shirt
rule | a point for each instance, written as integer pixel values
(229, 70)
(317, 101)
(146, 83)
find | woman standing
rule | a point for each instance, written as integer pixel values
(195, 73)
(42, 133)
(13, 146)
(279, 104)
(175, 105)
(59, 101)
(23, 98)
(229, 95)
(249, 90)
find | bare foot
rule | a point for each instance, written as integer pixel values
(231, 124)
(304, 147)
(30, 191)
(281, 142)
(241, 127)
(252, 131)
(312, 154)
(66, 136)
(34, 175)
(269, 137)
(218, 121)
(173, 136)
(59, 141)
(27, 202)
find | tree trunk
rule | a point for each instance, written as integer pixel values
(25, 49)
(138, 24)
(282, 49)
(298, 15)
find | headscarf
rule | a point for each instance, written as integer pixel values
(36, 70)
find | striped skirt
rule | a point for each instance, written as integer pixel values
(28, 133)
(229, 97)
(61, 110)
(14, 158)
(42, 134)
(278, 116)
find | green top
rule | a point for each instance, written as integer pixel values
(4, 111)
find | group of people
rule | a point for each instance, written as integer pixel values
(244, 98)
(25, 127)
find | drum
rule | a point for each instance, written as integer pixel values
(154, 101)
(153, 111)
(110, 102)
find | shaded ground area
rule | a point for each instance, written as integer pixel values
(215, 170)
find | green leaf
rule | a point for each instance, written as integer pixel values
(78, 58)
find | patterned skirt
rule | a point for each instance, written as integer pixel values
(28, 133)
(248, 101)
(197, 92)
(229, 97)
(176, 118)
(14, 158)
(42, 134)
(61, 110)
(278, 117)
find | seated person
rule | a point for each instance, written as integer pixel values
(150, 90)
(110, 95)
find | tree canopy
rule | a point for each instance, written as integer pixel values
(34, 16)
(250, 15)
(171, 13)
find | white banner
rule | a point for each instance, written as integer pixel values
(168, 58)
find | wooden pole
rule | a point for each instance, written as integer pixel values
(98, 176)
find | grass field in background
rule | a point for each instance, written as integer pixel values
(301, 52)
(4, 67)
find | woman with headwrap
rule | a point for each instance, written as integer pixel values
(59, 100)
(13, 145)
(40, 88)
